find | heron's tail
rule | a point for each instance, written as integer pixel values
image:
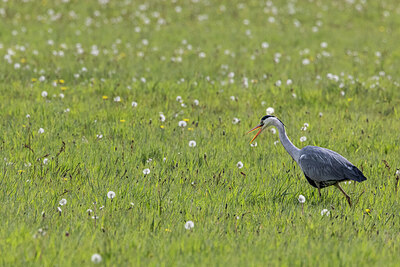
(357, 175)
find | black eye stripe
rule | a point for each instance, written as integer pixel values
(265, 117)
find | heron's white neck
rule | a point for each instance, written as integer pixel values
(293, 151)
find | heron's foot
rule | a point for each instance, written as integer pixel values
(319, 192)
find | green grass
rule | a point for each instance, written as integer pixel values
(249, 216)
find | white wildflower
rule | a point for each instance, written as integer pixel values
(239, 164)
(270, 111)
(41, 130)
(96, 258)
(146, 171)
(325, 212)
(111, 194)
(44, 94)
(182, 124)
(189, 225)
(235, 120)
(302, 199)
(192, 143)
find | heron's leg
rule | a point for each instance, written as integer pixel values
(319, 190)
(347, 196)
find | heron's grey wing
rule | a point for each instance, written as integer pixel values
(323, 165)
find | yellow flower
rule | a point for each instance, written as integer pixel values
(21, 171)
(349, 99)
(33, 79)
(186, 120)
(368, 211)
(23, 60)
(162, 126)
(122, 120)
(105, 97)
(190, 129)
(64, 88)
(61, 81)
(167, 230)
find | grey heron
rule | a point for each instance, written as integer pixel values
(321, 167)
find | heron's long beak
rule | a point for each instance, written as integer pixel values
(255, 128)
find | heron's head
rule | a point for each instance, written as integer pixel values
(265, 122)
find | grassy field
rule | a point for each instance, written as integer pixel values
(94, 98)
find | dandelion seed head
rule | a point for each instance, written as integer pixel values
(302, 199)
(44, 94)
(45, 161)
(146, 171)
(134, 104)
(182, 124)
(325, 212)
(63, 202)
(239, 164)
(192, 143)
(270, 111)
(96, 258)
(41, 130)
(189, 225)
(303, 139)
(111, 194)
(235, 120)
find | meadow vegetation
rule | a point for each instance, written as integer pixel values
(100, 101)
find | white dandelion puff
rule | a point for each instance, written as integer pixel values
(111, 194)
(325, 212)
(239, 164)
(196, 102)
(235, 120)
(134, 104)
(253, 144)
(45, 161)
(41, 130)
(302, 199)
(182, 124)
(264, 45)
(272, 130)
(146, 171)
(96, 258)
(192, 143)
(179, 99)
(117, 99)
(44, 94)
(270, 111)
(63, 202)
(162, 117)
(303, 139)
(189, 225)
